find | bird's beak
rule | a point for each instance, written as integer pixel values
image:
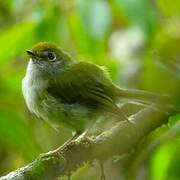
(31, 53)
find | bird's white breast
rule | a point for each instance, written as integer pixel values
(33, 86)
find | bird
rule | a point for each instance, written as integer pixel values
(64, 91)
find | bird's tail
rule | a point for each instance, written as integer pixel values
(143, 96)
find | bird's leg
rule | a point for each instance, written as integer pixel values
(68, 141)
(102, 170)
(126, 117)
(75, 135)
(130, 122)
(83, 134)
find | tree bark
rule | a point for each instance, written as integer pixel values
(120, 139)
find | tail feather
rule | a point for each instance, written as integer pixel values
(143, 96)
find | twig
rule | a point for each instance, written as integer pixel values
(120, 139)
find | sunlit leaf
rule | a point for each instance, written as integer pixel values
(161, 161)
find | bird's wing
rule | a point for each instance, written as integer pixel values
(87, 84)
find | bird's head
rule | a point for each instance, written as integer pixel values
(48, 56)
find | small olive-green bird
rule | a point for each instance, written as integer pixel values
(73, 93)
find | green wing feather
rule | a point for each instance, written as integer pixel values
(86, 84)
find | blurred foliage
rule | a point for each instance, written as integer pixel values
(138, 41)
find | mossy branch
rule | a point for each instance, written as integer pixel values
(120, 139)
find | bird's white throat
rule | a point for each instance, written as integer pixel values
(33, 86)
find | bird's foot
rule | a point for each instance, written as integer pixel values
(130, 121)
(56, 151)
(82, 135)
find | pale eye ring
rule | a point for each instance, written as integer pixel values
(51, 56)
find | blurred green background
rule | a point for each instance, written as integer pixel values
(137, 40)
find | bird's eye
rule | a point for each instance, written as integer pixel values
(51, 56)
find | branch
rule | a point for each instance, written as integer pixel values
(120, 139)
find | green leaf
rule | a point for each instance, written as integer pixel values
(15, 39)
(162, 160)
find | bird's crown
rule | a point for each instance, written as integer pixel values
(45, 46)
(48, 51)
